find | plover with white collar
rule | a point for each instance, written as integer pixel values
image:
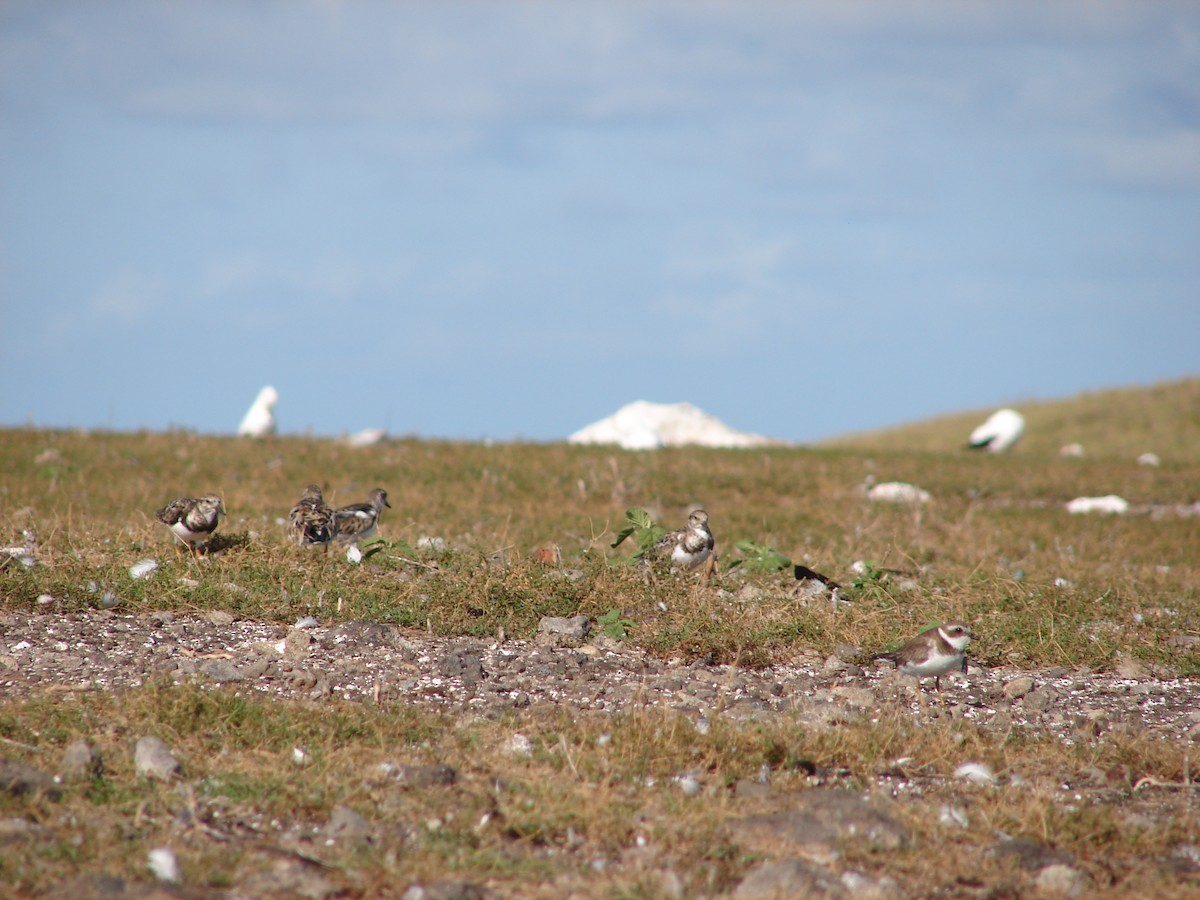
(936, 651)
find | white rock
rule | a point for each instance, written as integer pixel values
(1059, 880)
(518, 745)
(259, 420)
(642, 425)
(1071, 451)
(897, 492)
(306, 622)
(164, 865)
(1109, 504)
(300, 756)
(1003, 429)
(367, 437)
(639, 439)
(353, 554)
(689, 784)
(152, 759)
(1149, 459)
(142, 568)
(23, 555)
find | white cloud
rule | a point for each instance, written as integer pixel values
(450, 61)
(328, 277)
(230, 275)
(750, 263)
(129, 296)
(1169, 160)
(727, 293)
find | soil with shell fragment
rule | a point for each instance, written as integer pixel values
(358, 660)
(377, 663)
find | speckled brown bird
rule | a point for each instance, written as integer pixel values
(192, 520)
(312, 522)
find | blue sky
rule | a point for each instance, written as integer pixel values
(509, 219)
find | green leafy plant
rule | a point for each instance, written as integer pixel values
(870, 575)
(613, 625)
(642, 528)
(374, 546)
(760, 558)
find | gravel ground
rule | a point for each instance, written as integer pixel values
(364, 661)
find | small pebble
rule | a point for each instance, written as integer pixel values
(164, 865)
(518, 745)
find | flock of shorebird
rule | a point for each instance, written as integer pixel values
(312, 522)
(934, 652)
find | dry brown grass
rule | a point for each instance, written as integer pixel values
(994, 547)
(593, 788)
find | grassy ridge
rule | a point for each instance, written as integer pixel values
(1112, 424)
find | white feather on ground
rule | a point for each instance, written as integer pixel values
(1109, 504)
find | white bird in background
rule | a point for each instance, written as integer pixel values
(1003, 429)
(259, 420)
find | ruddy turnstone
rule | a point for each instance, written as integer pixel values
(689, 547)
(804, 574)
(935, 651)
(812, 583)
(312, 522)
(358, 521)
(192, 521)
